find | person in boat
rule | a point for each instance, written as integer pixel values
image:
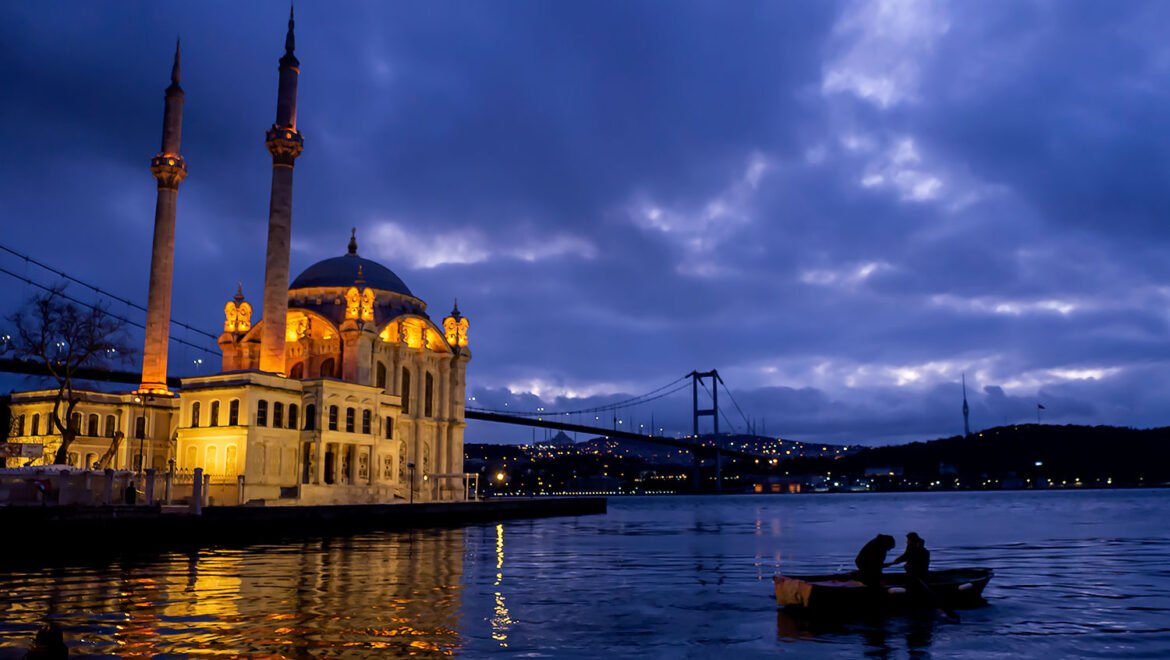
(872, 559)
(915, 556)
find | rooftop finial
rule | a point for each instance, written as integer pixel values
(290, 42)
(353, 241)
(175, 68)
(455, 310)
(240, 292)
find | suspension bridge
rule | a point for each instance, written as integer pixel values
(705, 387)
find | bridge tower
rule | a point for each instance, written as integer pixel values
(697, 378)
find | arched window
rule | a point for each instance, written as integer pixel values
(349, 419)
(389, 428)
(111, 426)
(405, 391)
(72, 459)
(311, 417)
(429, 400)
(192, 458)
(209, 465)
(195, 415)
(90, 460)
(20, 425)
(327, 368)
(140, 427)
(214, 421)
(262, 413)
(297, 371)
(292, 416)
(332, 418)
(366, 422)
(278, 415)
(75, 422)
(234, 413)
(36, 424)
(229, 460)
(380, 380)
(93, 426)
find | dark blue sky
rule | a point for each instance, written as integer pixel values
(841, 206)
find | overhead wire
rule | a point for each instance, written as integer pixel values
(105, 311)
(95, 289)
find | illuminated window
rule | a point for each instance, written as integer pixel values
(262, 413)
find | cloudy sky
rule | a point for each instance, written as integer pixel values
(840, 206)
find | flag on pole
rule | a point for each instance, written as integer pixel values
(1040, 406)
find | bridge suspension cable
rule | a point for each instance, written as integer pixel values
(106, 311)
(95, 289)
(652, 395)
(736, 404)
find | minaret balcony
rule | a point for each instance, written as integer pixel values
(169, 169)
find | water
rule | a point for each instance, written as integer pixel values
(1077, 574)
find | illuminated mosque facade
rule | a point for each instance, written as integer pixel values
(344, 391)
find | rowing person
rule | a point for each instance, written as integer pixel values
(872, 559)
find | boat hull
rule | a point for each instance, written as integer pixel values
(843, 594)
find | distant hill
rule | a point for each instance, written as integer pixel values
(1025, 455)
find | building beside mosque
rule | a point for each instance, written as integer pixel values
(344, 391)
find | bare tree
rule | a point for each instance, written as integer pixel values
(66, 338)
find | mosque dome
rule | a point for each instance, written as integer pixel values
(343, 271)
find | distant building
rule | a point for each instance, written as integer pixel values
(345, 391)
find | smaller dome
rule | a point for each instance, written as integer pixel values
(345, 270)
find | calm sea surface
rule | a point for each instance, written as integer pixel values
(1077, 574)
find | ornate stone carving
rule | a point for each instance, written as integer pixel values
(169, 169)
(353, 303)
(285, 144)
(367, 305)
(237, 315)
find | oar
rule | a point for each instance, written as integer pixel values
(935, 600)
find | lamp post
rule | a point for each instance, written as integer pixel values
(142, 436)
(411, 467)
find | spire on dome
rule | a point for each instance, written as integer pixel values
(455, 311)
(239, 297)
(353, 241)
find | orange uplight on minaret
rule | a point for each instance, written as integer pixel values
(169, 170)
(285, 144)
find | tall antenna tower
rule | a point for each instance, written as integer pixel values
(966, 410)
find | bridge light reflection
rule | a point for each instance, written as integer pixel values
(501, 620)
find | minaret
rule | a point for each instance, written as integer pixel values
(285, 144)
(966, 410)
(169, 169)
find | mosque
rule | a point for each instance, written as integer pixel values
(345, 391)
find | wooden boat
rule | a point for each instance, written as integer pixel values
(843, 594)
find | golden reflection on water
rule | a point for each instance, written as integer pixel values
(392, 594)
(501, 621)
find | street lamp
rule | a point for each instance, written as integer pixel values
(142, 434)
(411, 467)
